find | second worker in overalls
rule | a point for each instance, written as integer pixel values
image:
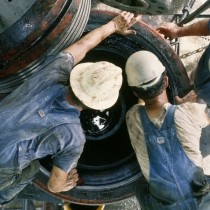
(166, 140)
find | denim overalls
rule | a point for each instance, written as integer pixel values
(202, 76)
(174, 180)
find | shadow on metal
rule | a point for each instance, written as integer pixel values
(46, 27)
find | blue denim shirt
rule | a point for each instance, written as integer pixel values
(202, 76)
(36, 119)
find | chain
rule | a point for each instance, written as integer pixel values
(193, 52)
(197, 50)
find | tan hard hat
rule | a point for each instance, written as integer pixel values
(143, 69)
(96, 85)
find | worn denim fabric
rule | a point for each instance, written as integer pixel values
(202, 77)
(36, 121)
(204, 201)
(35, 117)
(58, 139)
(14, 180)
(175, 182)
(141, 191)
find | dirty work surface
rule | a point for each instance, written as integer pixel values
(189, 61)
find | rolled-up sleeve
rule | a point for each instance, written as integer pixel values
(55, 69)
(68, 158)
(71, 141)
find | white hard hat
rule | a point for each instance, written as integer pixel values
(96, 85)
(143, 69)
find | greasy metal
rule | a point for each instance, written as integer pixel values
(27, 33)
(11, 11)
(138, 5)
(186, 17)
(177, 18)
(147, 7)
(186, 10)
(46, 28)
(196, 13)
(108, 168)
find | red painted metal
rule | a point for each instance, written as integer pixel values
(32, 35)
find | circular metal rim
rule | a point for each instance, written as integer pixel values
(68, 30)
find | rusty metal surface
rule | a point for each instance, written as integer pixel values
(55, 27)
(31, 35)
(11, 11)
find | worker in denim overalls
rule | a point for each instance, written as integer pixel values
(41, 117)
(166, 140)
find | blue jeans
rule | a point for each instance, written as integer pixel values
(142, 191)
(12, 181)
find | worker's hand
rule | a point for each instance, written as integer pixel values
(169, 30)
(141, 102)
(190, 97)
(124, 21)
(72, 180)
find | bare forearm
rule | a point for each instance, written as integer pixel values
(199, 28)
(93, 38)
(89, 41)
(57, 180)
(61, 181)
(120, 24)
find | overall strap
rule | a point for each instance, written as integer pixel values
(147, 123)
(171, 170)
